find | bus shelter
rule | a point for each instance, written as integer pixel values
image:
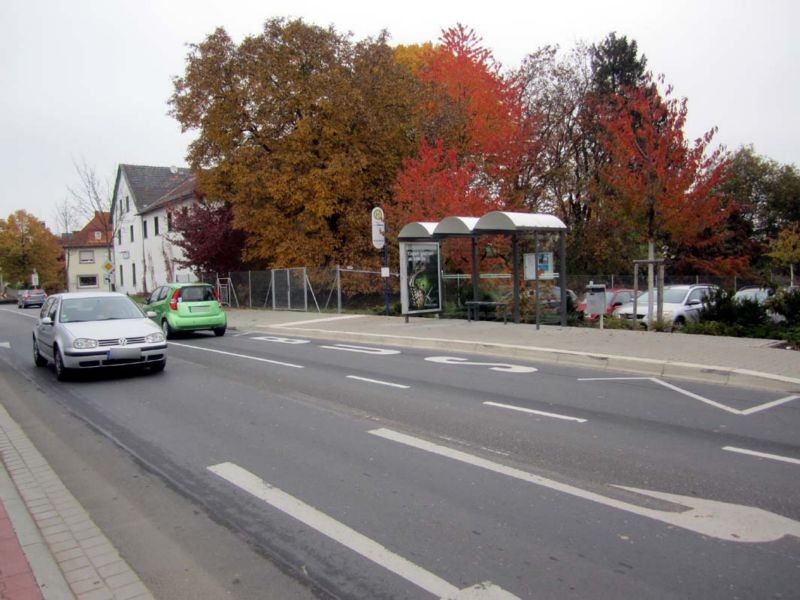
(516, 225)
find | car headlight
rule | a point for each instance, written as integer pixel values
(154, 338)
(84, 343)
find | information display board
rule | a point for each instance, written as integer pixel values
(420, 277)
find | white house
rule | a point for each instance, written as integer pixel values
(88, 255)
(142, 204)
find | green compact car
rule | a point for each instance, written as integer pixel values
(187, 307)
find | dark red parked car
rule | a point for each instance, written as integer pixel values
(615, 297)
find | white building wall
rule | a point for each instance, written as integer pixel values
(152, 258)
(160, 255)
(128, 254)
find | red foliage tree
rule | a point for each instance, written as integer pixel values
(474, 138)
(207, 237)
(662, 188)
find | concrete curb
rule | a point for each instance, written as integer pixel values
(69, 556)
(641, 366)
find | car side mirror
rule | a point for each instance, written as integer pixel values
(47, 321)
(151, 314)
(617, 303)
(694, 302)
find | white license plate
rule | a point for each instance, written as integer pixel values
(128, 353)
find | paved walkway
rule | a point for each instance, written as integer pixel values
(50, 549)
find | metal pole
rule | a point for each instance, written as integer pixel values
(635, 295)
(475, 270)
(536, 275)
(339, 289)
(515, 258)
(660, 292)
(250, 288)
(386, 279)
(562, 250)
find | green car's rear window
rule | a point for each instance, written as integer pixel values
(197, 294)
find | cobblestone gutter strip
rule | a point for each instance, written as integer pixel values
(69, 555)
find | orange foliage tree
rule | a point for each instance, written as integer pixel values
(474, 135)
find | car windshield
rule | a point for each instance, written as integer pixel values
(100, 308)
(671, 296)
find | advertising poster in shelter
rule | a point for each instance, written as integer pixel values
(420, 278)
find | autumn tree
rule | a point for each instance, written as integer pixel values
(27, 245)
(204, 231)
(302, 131)
(469, 156)
(786, 248)
(664, 189)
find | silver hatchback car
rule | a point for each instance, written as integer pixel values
(93, 330)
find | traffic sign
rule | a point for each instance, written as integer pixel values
(378, 228)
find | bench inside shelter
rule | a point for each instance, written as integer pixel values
(474, 307)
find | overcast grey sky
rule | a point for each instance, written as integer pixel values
(88, 80)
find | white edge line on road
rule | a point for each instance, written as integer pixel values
(21, 314)
(333, 529)
(234, 354)
(535, 412)
(324, 320)
(787, 459)
(767, 405)
(379, 382)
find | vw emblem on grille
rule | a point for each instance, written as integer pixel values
(123, 341)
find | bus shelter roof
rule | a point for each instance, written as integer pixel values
(495, 222)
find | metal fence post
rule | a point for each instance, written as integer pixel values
(339, 289)
(250, 289)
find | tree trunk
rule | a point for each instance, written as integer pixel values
(651, 255)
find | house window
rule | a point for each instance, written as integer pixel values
(119, 236)
(121, 277)
(144, 228)
(131, 233)
(87, 281)
(155, 225)
(98, 236)
(169, 221)
(133, 273)
(127, 204)
(86, 257)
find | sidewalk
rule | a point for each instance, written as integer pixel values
(50, 549)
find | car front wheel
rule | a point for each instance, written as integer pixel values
(62, 373)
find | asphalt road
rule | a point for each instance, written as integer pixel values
(379, 472)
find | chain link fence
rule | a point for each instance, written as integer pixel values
(342, 290)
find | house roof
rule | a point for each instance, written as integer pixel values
(187, 190)
(148, 184)
(85, 238)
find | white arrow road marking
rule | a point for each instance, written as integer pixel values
(787, 459)
(362, 349)
(351, 539)
(730, 522)
(234, 354)
(535, 412)
(5, 345)
(280, 340)
(747, 411)
(502, 367)
(379, 382)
